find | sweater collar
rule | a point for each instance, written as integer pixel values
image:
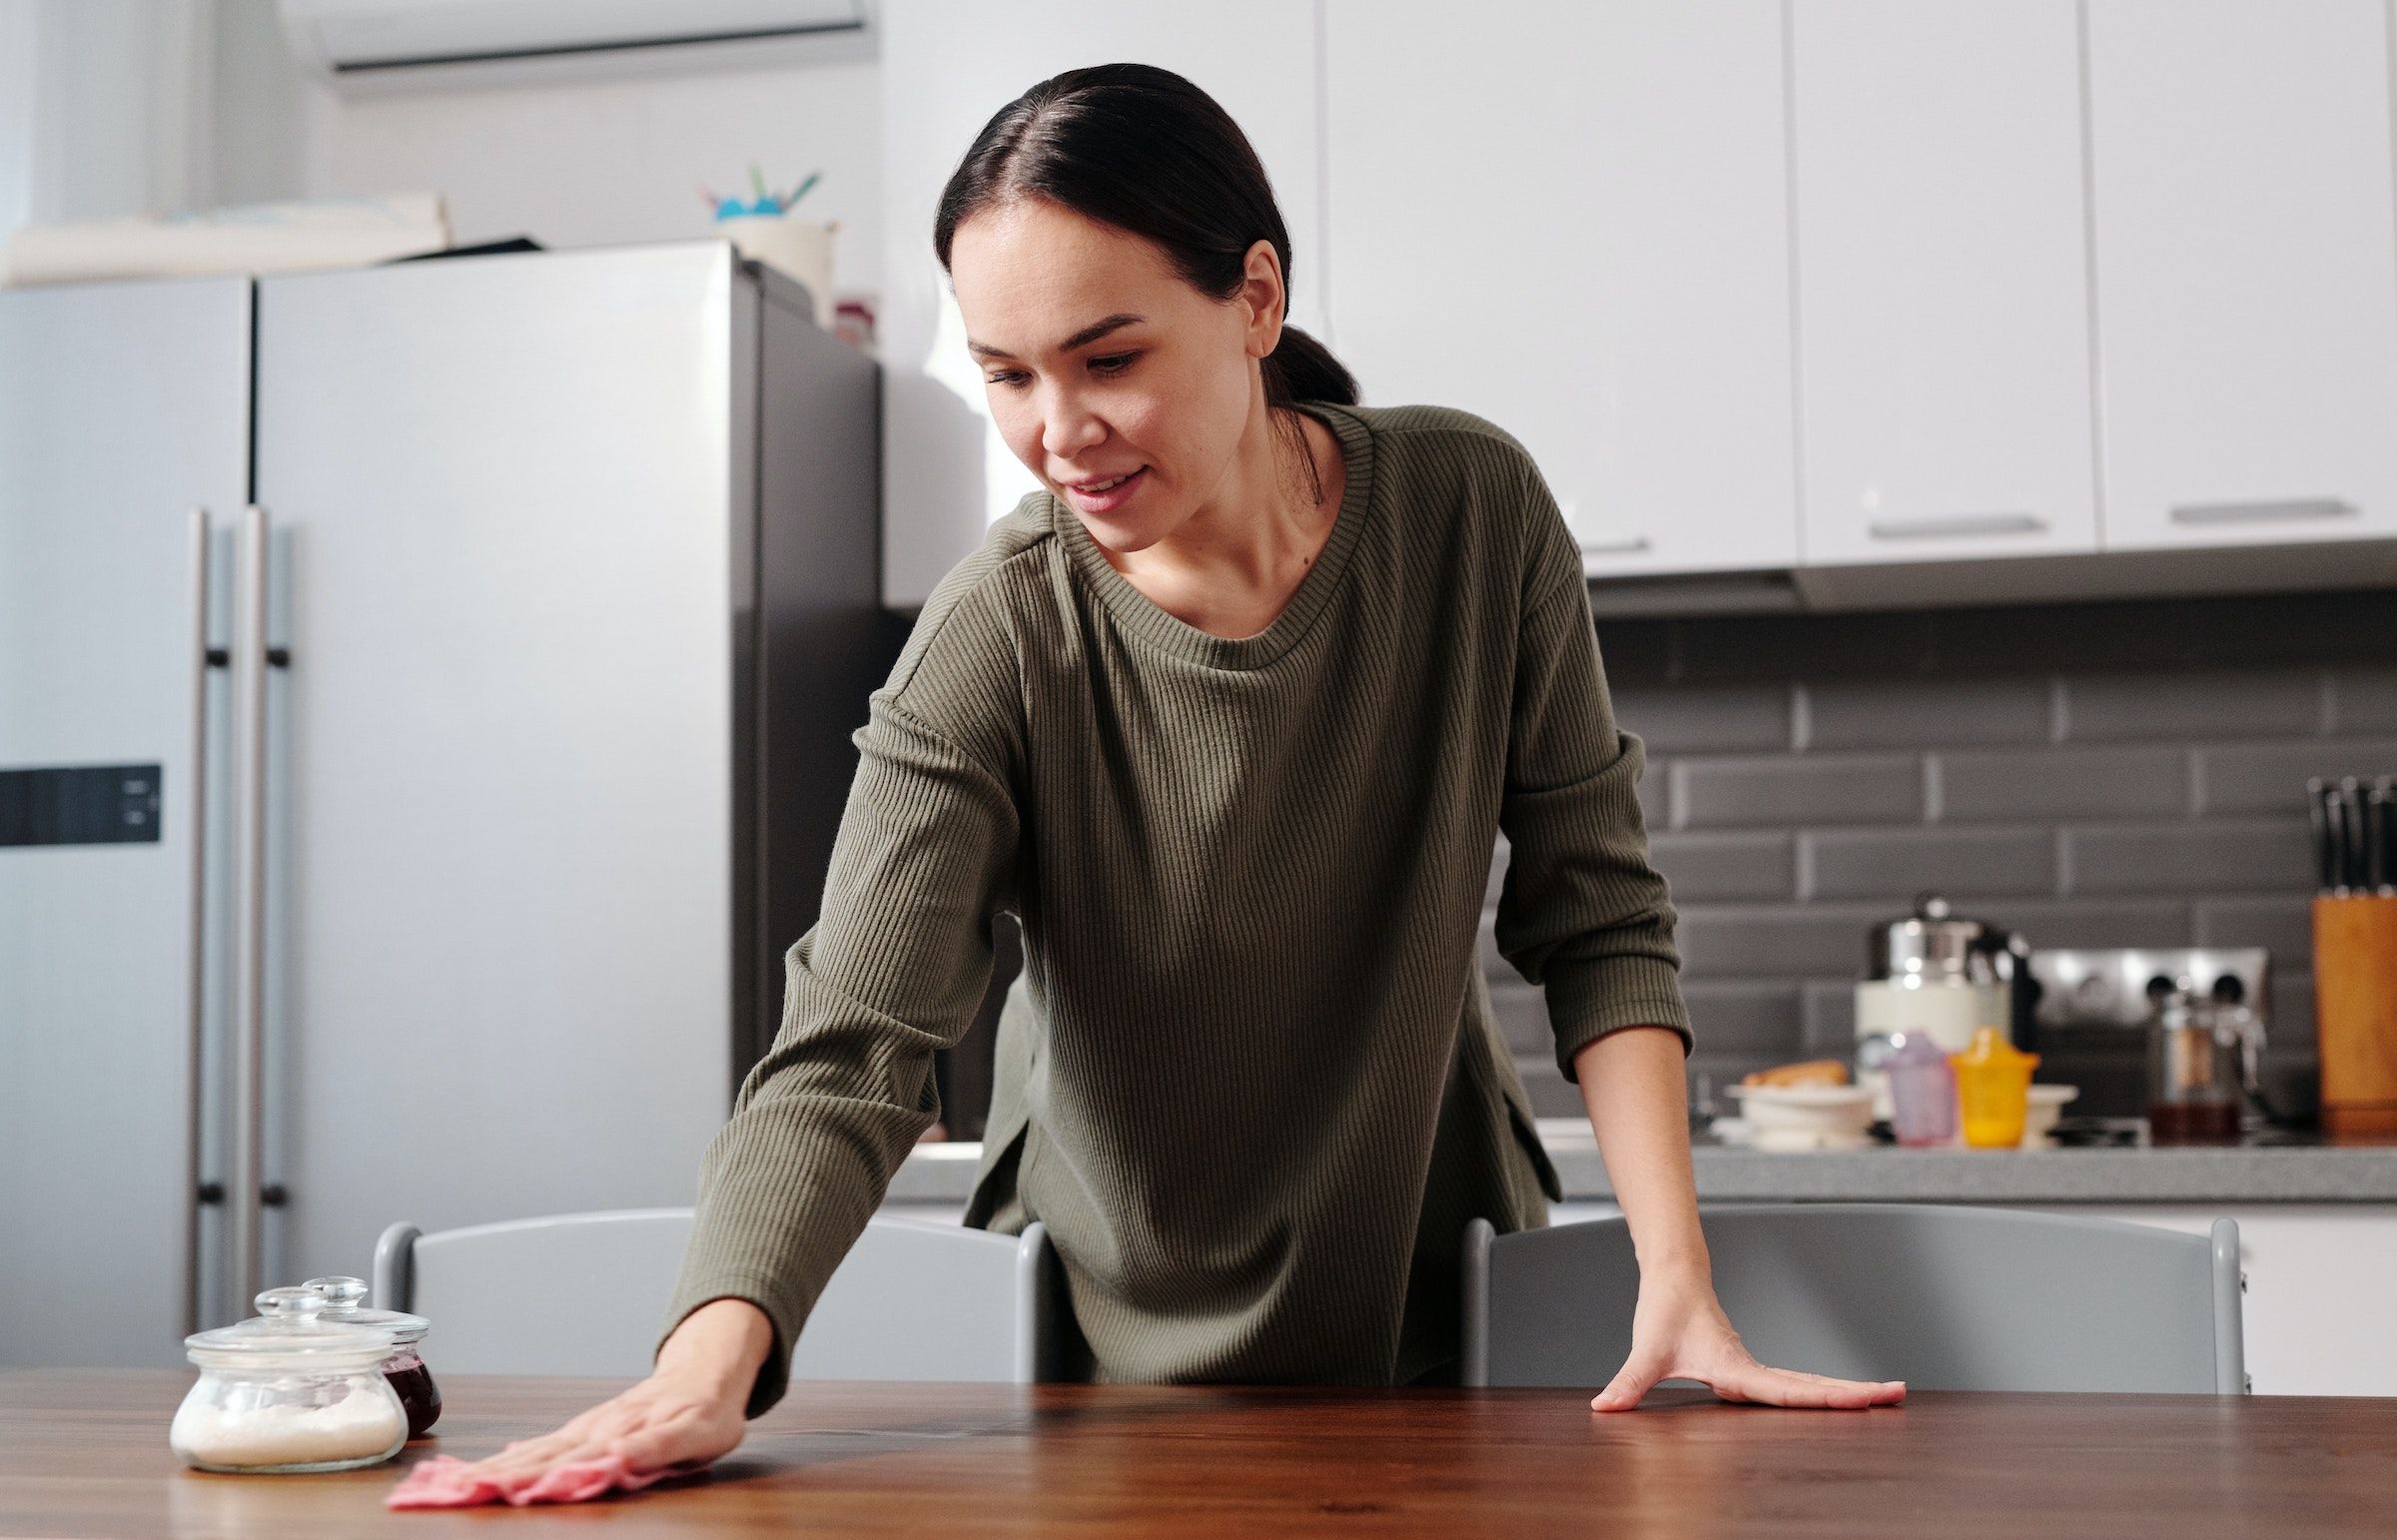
(1145, 618)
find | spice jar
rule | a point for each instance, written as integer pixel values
(288, 1392)
(345, 1303)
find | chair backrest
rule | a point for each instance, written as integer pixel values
(587, 1293)
(1942, 1296)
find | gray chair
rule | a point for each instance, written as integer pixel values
(1942, 1296)
(587, 1293)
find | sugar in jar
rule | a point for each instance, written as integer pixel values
(287, 1392)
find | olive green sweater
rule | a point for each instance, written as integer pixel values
(1250, 1077)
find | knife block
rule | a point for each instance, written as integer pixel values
(2356, 1011)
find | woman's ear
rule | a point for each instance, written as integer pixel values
(1264, 291)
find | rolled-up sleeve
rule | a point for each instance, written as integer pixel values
(1582, 913)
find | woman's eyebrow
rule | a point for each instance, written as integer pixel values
(1088, 334)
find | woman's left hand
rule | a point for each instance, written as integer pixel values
(1679, 1331)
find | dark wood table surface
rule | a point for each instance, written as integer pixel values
(84, 1452)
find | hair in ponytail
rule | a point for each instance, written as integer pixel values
(1146, 151)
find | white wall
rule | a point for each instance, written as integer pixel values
(586, 163)
(115, 107)
(16, 113)
(100, 107)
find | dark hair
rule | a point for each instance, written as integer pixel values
(1146, 151)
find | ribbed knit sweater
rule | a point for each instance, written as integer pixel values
(1250, 1077)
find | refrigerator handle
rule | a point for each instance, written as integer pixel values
(196, 954)
(245, 1214)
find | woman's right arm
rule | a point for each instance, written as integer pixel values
(895, 971)
(691, 1410)
(896, 968)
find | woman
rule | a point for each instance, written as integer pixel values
(1233, 739)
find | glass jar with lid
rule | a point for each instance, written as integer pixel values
(2197, 1051)
(288, 1392)
(412, 1381)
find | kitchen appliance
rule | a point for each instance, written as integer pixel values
(2096, 1008)
(1943, 975)
(425, 708)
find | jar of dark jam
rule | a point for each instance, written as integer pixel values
(2195, 1080)
(345, 1302)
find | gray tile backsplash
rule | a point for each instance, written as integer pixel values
(1978, 786)
(1782, 786)
(2184, 704)
(2113, 774)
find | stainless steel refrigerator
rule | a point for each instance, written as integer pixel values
(425, 708)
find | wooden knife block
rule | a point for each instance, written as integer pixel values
(2356, 1011)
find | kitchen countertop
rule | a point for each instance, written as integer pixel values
(84, 1452)
(2283, 1166)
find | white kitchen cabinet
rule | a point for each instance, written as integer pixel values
(1573, 220)
(947, 70)
(1941, 280)
(2246, 271)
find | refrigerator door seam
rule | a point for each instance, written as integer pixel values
(195, 999)
(249, 1028)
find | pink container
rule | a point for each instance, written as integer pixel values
(1922, 1092)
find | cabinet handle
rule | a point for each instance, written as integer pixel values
(1956, 525)
(1629, 543)
(2258, 512)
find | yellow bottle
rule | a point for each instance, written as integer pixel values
(1993, 1089)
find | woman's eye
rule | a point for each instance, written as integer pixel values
(1112, 363)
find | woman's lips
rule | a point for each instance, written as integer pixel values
(1110, 499)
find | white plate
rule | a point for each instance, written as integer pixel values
(1804, 1095)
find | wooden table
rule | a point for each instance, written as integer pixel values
(84, 1452)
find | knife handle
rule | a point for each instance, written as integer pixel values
(2378, 797)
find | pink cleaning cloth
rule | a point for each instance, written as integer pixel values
(437, 1483)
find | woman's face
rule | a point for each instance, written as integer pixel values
(1174, 393)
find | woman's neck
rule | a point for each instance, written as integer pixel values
(1233, 582)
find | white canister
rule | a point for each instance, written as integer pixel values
(800, 249)
(1947, 1011)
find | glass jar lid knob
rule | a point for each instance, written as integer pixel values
(343, 1293)
(294, 1303)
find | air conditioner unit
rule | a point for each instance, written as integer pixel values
(369, 45)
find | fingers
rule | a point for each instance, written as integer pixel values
(1747, 1381)
(646, 1430)
(1795, 1387)
(585, 1437)
(1639, 1373)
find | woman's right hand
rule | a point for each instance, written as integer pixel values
(689, 1412)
